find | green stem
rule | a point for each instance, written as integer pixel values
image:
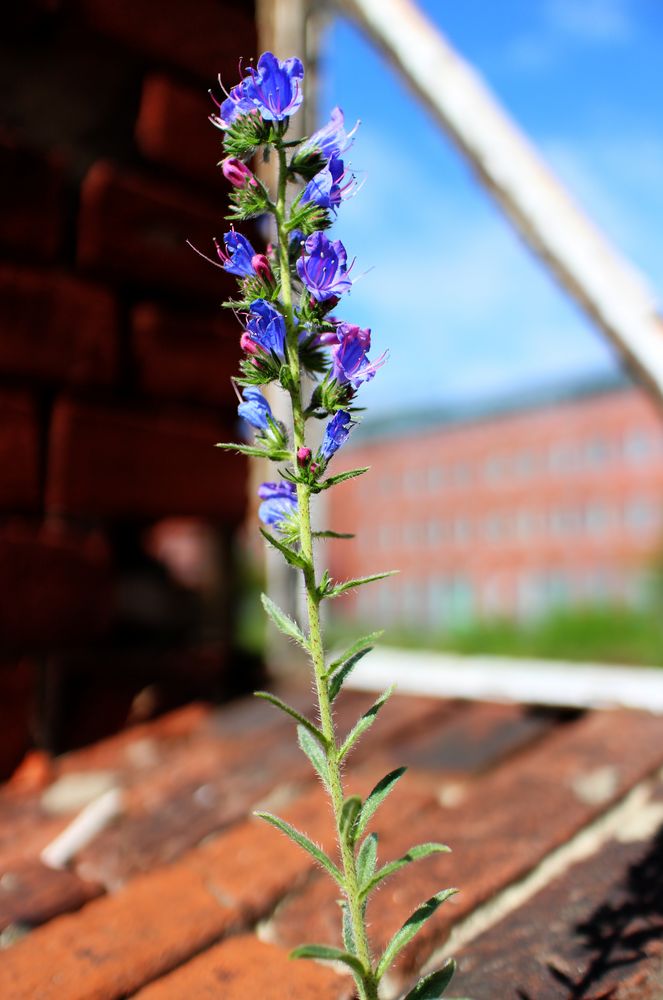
(368, 989)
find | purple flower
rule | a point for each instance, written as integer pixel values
(279, 501)
(238, 254)
(255, 409)
(331, 139)
(337, 432)
(327, 189)
(275, 88)
(266, 327)
(237, 103)
(350, 363)
(323, 267)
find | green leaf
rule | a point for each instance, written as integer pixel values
(332, 534)
(326, 953)
(253, 450)
(414, 854)
(377, 797)
(294, 558)
(341, 477)
(314, 752)
(367, 858)
(366, 640)
(410, 928)
(303, 841)
(349, 812)
(289, 710)
(337, 679)
(340, 588)
(367, 720)
(432, 987)
(348, 933)
(283, 622)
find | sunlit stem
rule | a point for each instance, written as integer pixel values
(368, 989)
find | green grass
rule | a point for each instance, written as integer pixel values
(602, 634)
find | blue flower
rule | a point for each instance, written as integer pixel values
(350, 363)
(326, 188)
(323, 267)
(275, 88)
(337, 432)
(279, 501)
(255, 409)
(237, 103)
(331, 139)
(266, 327)
(238, 256)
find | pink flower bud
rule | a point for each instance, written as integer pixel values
(303, 455)
(237, 173)
(262, 267)
(327, 338)
(247, 344)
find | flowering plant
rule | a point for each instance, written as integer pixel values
(285, 299)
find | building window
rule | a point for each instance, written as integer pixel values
(597, 519)
(435, 532)
(638, 446)
(642, 516)
(435, 478)
(596, 452)
(562, 457)
(525, 463)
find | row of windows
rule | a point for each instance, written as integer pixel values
(453, 600)
(639, 517)
(637, 448)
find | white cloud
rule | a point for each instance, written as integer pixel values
(596, 21)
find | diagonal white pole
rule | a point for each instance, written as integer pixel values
(604, 284)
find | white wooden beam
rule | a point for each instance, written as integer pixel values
(604, 284)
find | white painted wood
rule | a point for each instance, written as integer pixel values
(90, 821)
(605, 285)
(505, 679)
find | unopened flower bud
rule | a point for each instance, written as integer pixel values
(303, 455)
(327, 338)
(247, 344)
(237, 173)
(262, 267)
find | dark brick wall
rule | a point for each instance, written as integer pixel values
(114, 361)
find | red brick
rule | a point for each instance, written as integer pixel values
(54, 589)
(135, 229)
(173, 128)
(19, 453)
(31, 202)
(185, 357)
(56, 328)
(105, 462)
(31, 893)
(246, 967)
(205, 38)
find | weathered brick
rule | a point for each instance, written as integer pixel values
(55, 589)
(205, 38)
(246, 967)
(19, 453)
(31, 202)
(31, 893)
(594, 932)
(105, 462)
(56, 328)
(173, 129)
(134, 228)
(179, 356)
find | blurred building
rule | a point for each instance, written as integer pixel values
(511, 511)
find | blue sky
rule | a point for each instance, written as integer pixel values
(464, 308)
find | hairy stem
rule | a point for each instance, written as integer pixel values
(368, 989)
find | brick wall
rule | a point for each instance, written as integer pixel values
(114, 361)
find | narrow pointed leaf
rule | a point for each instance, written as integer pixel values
(332, 534)
(350, 811)
(283, 622)
(314, 752)
(367, 720)
(367, 858)
(341, 477)
(340, 588)
(414, 854)
(410, 928)
(326, 953)
(377, 797)
(432, 987)
(275, 454)
(336, 681)
(366, 640)
(289, 710)
(348, 933)
(303, 841)
(290, 556)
